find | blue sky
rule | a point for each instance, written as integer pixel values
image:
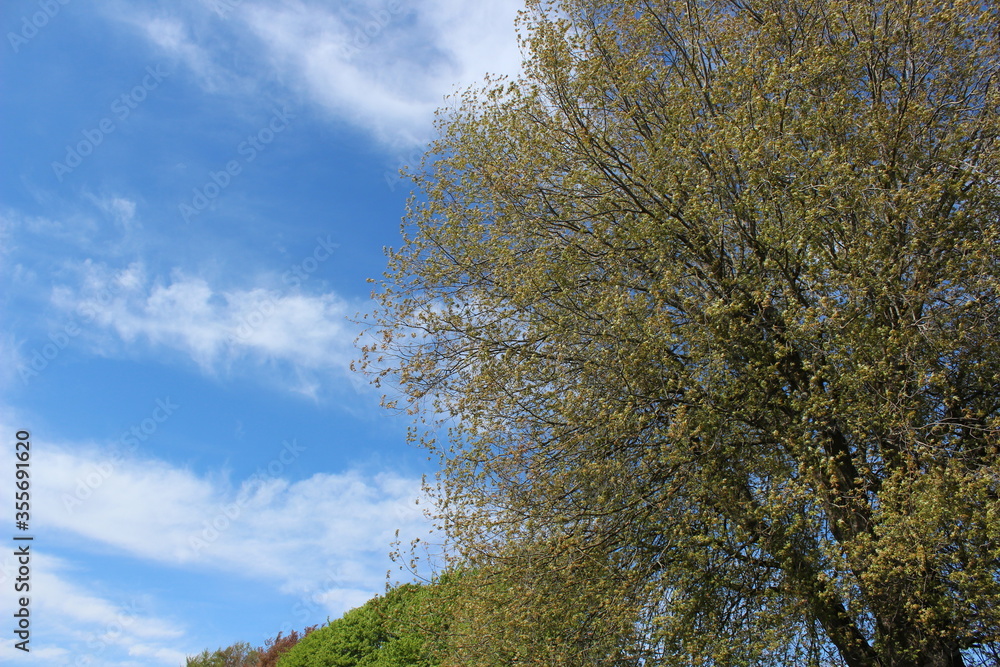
(193, 197)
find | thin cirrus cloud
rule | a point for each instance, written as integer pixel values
(383, 66)
(321, 540)
(119, 209)
(215, 327)
(110, 632)
(325, 534)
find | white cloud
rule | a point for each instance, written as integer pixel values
(79, 230)
(177, 38)
(217, 328)
(323, 539)
(383, 65)
(79, 622)
(388, 65)
(326, 536)
(119, 209)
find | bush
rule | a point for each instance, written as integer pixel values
(385, 632)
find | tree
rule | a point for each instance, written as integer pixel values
(240, 654)
(270, 653)
(708, 299)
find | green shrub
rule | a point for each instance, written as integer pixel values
(387, 631)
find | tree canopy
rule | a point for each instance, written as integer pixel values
(709, 300)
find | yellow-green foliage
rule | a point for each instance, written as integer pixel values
(710, 300)
(240, 654)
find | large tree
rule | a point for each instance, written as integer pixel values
(709, 299)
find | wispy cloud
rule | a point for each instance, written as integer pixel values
(120, 209)
(388, 65)
(382, 65)
(323, 540)
(77, 230)
(183, 40)
(83, 623)
(217, 328)
(327, 535)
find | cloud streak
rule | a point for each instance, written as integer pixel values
(326, 535)
(322, 539)
(84, 627)
(215, 327)
(382, 65)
